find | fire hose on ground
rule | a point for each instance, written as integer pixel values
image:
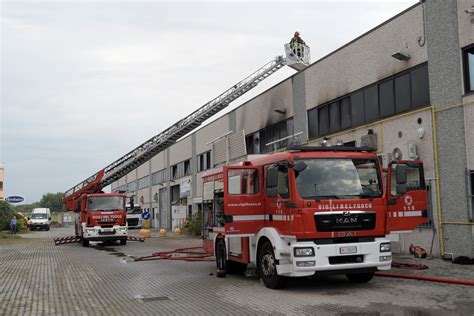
(193, 255)
(423, 278)
(182, 254)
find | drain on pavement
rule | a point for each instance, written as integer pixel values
(155, 298)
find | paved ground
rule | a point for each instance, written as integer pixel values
(39, 278)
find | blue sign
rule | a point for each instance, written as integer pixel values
(14, 199)
(146, 215)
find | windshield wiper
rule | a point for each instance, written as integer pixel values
(326, 197)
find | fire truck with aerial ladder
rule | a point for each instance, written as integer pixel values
(103, 216)
(306, 211)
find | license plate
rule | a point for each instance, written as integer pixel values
(347, 250)
(107, 229)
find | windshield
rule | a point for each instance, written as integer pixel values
(339, 179)
(106, 203)
(135, 210)
(39, 216)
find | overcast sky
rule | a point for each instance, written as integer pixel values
(83, 83)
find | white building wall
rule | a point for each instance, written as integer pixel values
(143, 170)
(180, 151)
(260, 111)
(210, 132)
(465, 23)
(367, 59)
(158, 162)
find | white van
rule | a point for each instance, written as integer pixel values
(40, 218)
(134, 216)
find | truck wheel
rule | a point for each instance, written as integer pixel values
(221, 258)
(123, 241)
(360, 277)
(267, 267)
(47, 228)
(85, 242)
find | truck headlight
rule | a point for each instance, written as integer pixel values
(304, 252)
(303, 264)
(385, 258)
(89, 230)
(385, 247)
(123, 229)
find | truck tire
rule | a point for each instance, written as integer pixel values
(123, 241)
(360, 277)
(221, 256)
(47, 228)
(85, 242)
(266, 267)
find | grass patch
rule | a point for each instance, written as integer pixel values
(6, 236)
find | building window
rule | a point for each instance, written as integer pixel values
(174, 172)
(335, 117)
(399, 93)
(204, 161)
(160, 176)
(471, 182)
(242, 181)
(132, 186)
(468, 57)
(323, 116)
(371, 103)
(187, 167)
(144, 182)
(386, 98)
(402, 93)
(256, 143)
(181, 169)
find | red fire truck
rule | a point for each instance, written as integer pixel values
(102, 216)
(310, 210)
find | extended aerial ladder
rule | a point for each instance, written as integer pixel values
(169, 136)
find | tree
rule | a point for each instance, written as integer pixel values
(53, 201)
(26, 208)
(6, 214)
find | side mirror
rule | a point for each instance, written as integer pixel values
(401, 189)
(300, 166)
(401, 174)
(272, 192)
(272, 178)
(50, 218)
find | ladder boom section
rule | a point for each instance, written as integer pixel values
(90, 185)
(169, 136)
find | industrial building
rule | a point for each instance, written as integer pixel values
(406, 87)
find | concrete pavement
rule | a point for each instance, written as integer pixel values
(39, 278)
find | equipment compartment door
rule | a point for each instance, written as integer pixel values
(244, 210)
(407, 202)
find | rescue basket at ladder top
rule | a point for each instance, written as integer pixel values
(298, 56)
